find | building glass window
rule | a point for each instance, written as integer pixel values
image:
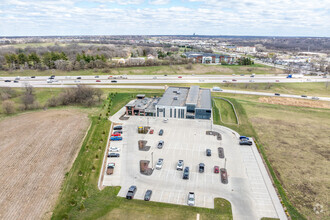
(170, 113)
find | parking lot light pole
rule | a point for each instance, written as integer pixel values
(225, 162)
(152, 159)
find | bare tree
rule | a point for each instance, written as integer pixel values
(28, 96)
(8, 107)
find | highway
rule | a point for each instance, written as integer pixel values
(152, 81)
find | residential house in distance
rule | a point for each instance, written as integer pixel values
(209, 58)
(246, 49)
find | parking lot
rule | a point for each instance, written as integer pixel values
(249, 188)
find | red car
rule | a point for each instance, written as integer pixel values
(216, 169)
(117, 134)
(180, 77)
(234, 80)
(98, 80)
(151, 131)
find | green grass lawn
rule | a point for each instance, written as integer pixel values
(81, 199)
(226, 111)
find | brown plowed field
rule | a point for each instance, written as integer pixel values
(36, 150)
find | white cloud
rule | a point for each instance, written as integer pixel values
(159, 2)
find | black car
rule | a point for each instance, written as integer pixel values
(148, 194)
(186, 173)
(201, 167)
(113, 81)
(208, 152)
(278, 94)
(78, 77)
(304, 96)
(245, 142)
(33, 77)
(131, 192)
(113, 155)
(161, 132)
(7, 81)
(15, 81)
(118, 127)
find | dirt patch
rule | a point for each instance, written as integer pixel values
(294, 102)
(36, 149)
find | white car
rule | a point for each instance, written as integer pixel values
(180, 165)
(114, 149)
(77, 81)
(191, 199)
(159, 164)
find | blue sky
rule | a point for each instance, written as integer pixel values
(143, 17)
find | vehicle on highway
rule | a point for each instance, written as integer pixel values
(161, 132)
(252, 75)
(242, 75)
(131, 192)
(15, 81)
(224, 81)
(77, 81)
(201, 167)
(208, 152)
(165, 75)
(155, 77)
(7, 80)
(148, 194)
(191, 199)
(159, 164)
(114, 149)
(118, 132)
(160, 144)
(98, 80)
(216, 89)
(17, 78)
(151, 131)
(68, 77)
(216, 169)
(113, 81)
(110, 168)
(33, 77)
(251, 80)
(234, 80)
(116, 138)
(113, 155)
(277, 94)
(79, 77)
(118, 127)
(185, 173)
(97, 77)
(304, 96)
(49, 81)
(315, 98)
(180, 77)
(277, 81)
(180, 165)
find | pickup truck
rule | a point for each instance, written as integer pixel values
(115, 138)
(110, 168)
(131, 192)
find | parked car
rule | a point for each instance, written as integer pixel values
(148, 194)
(221, 152)
(118, 127)
(161, 132)
(243, 137)
(245, 142)
(216, 169)
(186, 173)
(113, 155)
(277, 94)
(110, 168)
(114, 149)
(118, 132)
(201, 167)
(160, 144)
(113, 81)
(180, 165)
(116, 138)
(159, 164)
(116, 135)
(223, 175)
(131, 192)
(151, 131)
(191, 199)
(208, 152)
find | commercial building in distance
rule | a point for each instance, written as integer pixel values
(176, 102)
(208, 58)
